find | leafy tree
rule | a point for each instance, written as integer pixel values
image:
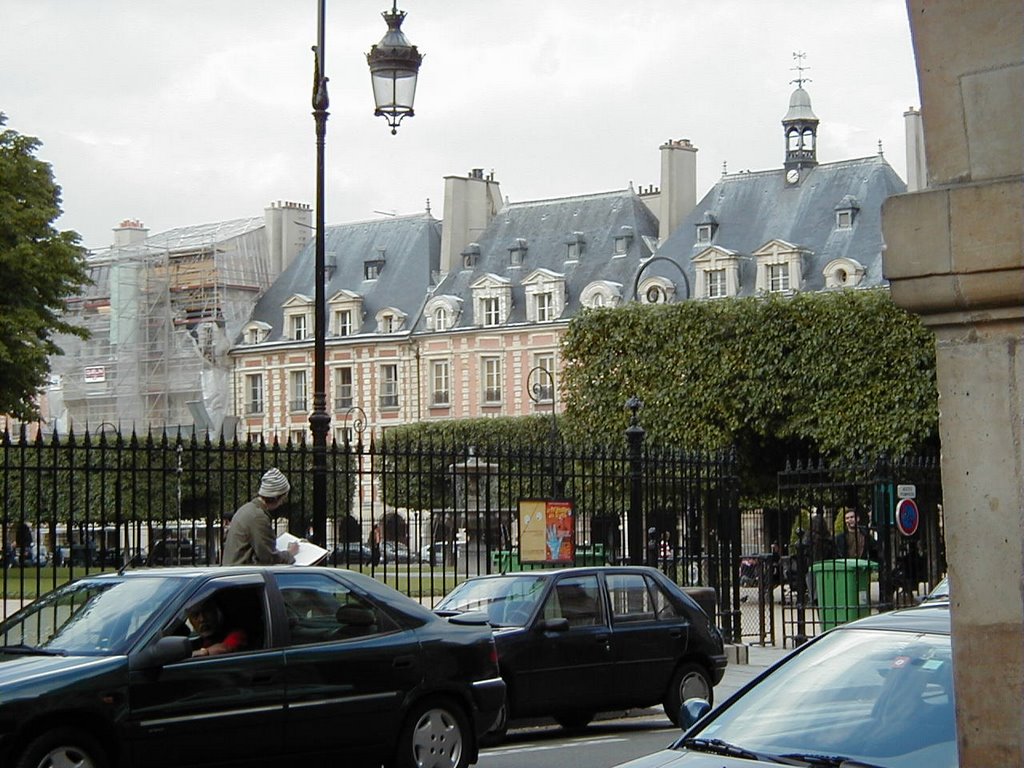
(39, 269)
(846, 374)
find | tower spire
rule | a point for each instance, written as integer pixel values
(800, 126)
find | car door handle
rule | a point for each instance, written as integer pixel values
(675, 633)
(403, 662)
(602, 638)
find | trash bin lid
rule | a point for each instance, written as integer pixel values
(844, 564)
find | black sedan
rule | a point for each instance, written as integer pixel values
(874, 693)
(577, 641)
(241, 666)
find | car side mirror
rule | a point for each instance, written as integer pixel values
(691, 711)
(553, 625)
(166, 650)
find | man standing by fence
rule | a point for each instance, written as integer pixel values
(250, 539)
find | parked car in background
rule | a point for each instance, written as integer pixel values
(351, 553)
(176, 552)
(577, 641)
(333, 668)
(876, 692)
(940, 593)
(396, 552)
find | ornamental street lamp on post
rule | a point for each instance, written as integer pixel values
(394, 66)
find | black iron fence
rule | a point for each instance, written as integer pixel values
(844, 541)
(419, 515)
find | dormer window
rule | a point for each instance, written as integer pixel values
(372, 269)
(706, 229)
(492, 300)
(846, 212)
(656, 290)
(517, 253)
(601, 293)
(255, 332)
(843, 273)
(346, 313)
(574, 247)
(623, 240)
(779, 267)
(470, 256)
(298, 314)
(545, 295)
(441, 312)
(390, 320)
(717, 271)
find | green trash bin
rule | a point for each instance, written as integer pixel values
(842, 590)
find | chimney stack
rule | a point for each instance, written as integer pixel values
(130, 232)
(469, 205)
(678, 185)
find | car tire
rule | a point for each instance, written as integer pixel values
(435, 735)
(574, 721)
(62, 747)
(691, 680)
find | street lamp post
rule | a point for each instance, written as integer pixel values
(394, 67)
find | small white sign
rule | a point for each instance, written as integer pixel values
(95, 374)
(906, 491)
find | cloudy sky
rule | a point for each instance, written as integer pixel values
(179, 112)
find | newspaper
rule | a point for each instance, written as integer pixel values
(308, 554)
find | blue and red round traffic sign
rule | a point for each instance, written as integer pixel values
(907, 516)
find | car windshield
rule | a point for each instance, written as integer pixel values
(880, 697)
(508, 601)
(90, 617)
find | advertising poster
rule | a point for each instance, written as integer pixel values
(547, 533)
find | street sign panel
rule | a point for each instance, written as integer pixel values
(906, 491)
(907, 516)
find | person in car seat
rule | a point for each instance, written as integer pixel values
(207, 620)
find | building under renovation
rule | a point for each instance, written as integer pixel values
(162, 312)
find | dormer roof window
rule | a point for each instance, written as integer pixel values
(255, 332)
(601, 293)
(442, 312)
(846, 212)
(372, 268)
(706, 228)
(517, 253)
(656, 290)
(843, 273)
(470, 255)
(390, 320)
(623, 240)
(574, 246)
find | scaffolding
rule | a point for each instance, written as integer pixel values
(162, 313)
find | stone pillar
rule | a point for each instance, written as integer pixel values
(954, 254)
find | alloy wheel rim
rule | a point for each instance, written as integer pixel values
(437, 740)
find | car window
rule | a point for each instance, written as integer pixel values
(239, 613)
(89, 617)
(576, 598)
(321, 609)
(637, 597)
(881, 697)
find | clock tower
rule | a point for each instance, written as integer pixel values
(800, 126)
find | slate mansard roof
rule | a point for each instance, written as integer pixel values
(751, 209)
(409, 247)
(544, 228)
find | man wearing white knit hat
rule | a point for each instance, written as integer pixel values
(251, 539)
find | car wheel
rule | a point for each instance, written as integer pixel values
(435, 735)
(573, 721)
(62, 748)
(690, 681)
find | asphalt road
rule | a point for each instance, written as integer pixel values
(610, 740)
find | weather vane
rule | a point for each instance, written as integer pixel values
(798, 57)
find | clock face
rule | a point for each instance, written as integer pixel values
(793, 176)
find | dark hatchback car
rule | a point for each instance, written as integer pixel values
(874, 693)
(577, 641)
(336, 668)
